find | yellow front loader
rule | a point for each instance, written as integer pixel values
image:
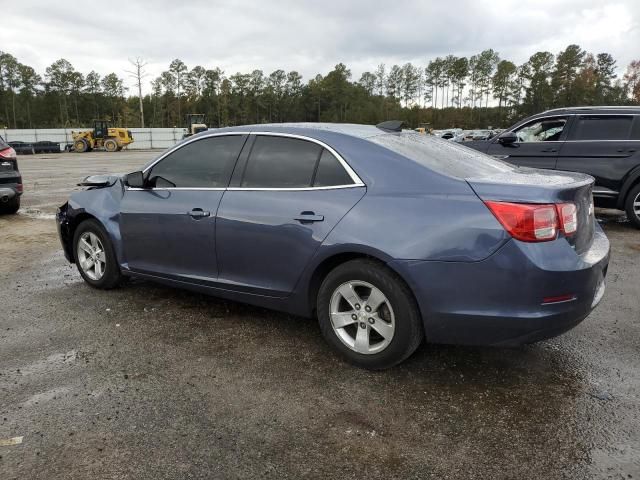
(112, 139)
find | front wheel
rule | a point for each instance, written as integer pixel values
(632, 206)
(368, 314)
(80, 145)
(95, 257)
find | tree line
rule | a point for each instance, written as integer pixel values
(467, 92)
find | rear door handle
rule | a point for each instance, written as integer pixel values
(198, 213)
(549, 150)
(309, 217)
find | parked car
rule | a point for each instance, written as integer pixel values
(601, 141)
(10, 179)
(386, 236)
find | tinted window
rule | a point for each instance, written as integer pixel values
(330, 172)
(542, 130)
(635, 130)
(205, 163)
(279, 162)
(607, 127)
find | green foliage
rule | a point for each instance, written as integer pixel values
(479, 91)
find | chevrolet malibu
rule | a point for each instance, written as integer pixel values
(388, 237)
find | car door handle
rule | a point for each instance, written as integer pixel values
(549, 150)
(309, 217)
(198, 213)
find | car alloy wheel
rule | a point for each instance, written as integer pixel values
(362, 317)
(636, 205)
(91, 256)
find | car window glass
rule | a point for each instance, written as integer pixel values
(330, 172)
(280, 162)
(204, 163)
(606, 127)
(635, 130)
(543, 130)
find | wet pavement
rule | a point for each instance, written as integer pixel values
(149, 382)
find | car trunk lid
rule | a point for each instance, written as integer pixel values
(532, 186)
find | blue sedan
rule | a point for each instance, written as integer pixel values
(388, 237)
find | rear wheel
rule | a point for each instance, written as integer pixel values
(81, 145)
(110, 145)
(95, 257)
(369, 315)
(632, 206)
(11, 207)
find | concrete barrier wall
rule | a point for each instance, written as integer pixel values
(143, 138)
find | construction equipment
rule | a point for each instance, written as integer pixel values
(195, 123)
(102, 136)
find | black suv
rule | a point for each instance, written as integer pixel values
(601, 141)
(10, 179)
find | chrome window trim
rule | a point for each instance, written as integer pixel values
(201, 189)
(354, 176)
(293, 189)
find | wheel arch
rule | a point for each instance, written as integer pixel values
(632, 179)
(74, 223)
(329, 262)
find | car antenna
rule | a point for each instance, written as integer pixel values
(391, 125)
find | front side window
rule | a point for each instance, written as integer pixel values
(204, 163)
(543, 130)
(604, 127)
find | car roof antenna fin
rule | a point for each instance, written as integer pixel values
(391, 125)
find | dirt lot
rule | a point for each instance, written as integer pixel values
(148, 382)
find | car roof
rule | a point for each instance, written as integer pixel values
(313, 130)
(601, 109)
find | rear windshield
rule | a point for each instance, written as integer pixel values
(443, 156)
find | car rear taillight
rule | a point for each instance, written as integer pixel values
(20, 188)
(568, 214)
(8, 153)
(535, 222)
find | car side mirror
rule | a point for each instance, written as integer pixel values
(135, 180)
(507, 138)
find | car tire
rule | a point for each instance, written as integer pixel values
(632, 206)
(11, 207)
(96, 249)
(390, 333)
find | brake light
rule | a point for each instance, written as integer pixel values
(535, 222)
(527, 222)
(20, 188)
(568, 214)
(8, 153)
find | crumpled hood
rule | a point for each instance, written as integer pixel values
(100, 181)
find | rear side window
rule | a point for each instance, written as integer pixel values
(280, 162)
(605, 127)
(330, 172)
(205, 163)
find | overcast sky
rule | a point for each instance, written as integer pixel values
(308, 36)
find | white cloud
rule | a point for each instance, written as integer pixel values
(310, 36)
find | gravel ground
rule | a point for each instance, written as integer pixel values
(146, 382)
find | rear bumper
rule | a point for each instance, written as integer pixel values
(10, 186)
(501, 300)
